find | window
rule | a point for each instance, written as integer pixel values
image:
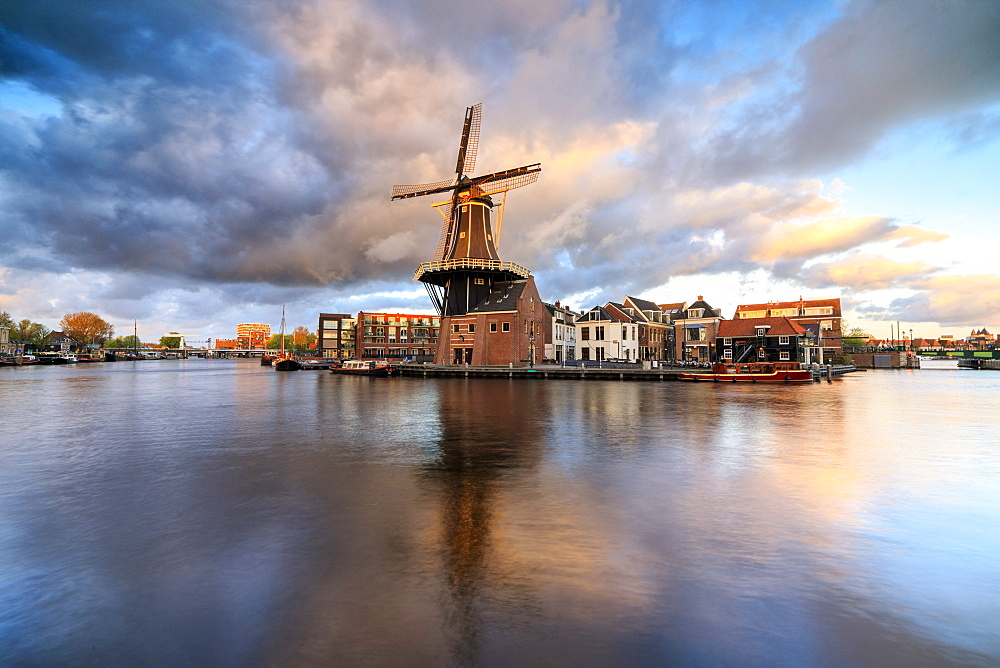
(493, 327)
(600, 353)
(695, 312)
(505, 326)
(760, 353)
(727, 342)
(479, 281)
(762, 331)
(727, 354)
(782, 340)
(826, 324)
(585, 354)
(826, 310)
(599, 333)
(624, 334)
(454, 328)
(585, 333)
(472, 328)
(785, 355)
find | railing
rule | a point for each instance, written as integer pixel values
(470, 263)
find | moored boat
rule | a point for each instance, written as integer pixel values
(755, 372)
(365, 368)
(284, 361)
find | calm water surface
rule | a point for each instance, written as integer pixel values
(220, 513)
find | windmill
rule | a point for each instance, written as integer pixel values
(466, 263)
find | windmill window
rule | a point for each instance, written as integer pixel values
(505, 326)
(472, 328)
(454, 328)
(461, 235)
(480, 281)
(783, 340)
(493, 327)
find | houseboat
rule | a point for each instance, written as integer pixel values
(366, 368)
(755, 372)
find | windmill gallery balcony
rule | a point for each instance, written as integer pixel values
(426, 270)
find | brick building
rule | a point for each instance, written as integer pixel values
(695, 329)
(507, 327)
(395, 335)
(335, 335)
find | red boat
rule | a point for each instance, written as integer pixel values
(755, 372)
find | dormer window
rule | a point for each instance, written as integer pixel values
(762, 331)
(695, 312)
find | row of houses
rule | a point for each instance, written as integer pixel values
(512, 325)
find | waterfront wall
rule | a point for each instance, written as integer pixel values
(889, 359)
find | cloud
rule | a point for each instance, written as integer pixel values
(219, 149)
(864, 271)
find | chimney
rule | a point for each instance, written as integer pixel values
(700, 298)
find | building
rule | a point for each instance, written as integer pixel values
(695, 329)
(821, 316)
(560, 342)
(763, 340)
(335, 335)
(506, 327)
(654, 328)
(607, 333)
(227, 344)
(395, 336)
(6, 347)
(251, 335)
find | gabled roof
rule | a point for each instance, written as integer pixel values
(642, 304)
(503, 297)
(672, 308)
(596, 314)
(748, 327)
(617, 312)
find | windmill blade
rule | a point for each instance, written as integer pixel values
(506, 180)
(403, 192)
(444, 240)
(469, 146)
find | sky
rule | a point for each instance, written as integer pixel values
(188, 166)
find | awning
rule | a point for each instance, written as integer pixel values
(695, 326)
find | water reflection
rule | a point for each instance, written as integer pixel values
(220, 513)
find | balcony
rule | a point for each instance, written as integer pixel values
(469, 263)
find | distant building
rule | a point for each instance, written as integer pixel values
(227, 344)
(821, 316)
(654, 328)
(252, 335)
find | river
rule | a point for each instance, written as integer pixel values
(215, 512)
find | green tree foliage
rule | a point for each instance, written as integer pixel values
(6, 320)
(129, 342)
(856, 337)
(86, 327)
(171, 340)
(30, 335)
(274, 343)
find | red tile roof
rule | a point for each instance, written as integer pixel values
(748, 327)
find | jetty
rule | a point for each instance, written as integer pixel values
(544, 371)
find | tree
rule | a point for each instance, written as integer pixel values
(129, 342)
(86, 327)
(30, 335)
(301, 338)
(856, 337)
(274, 342)
(6, 320)
(171, 340)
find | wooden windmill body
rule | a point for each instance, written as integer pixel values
(467, 267)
